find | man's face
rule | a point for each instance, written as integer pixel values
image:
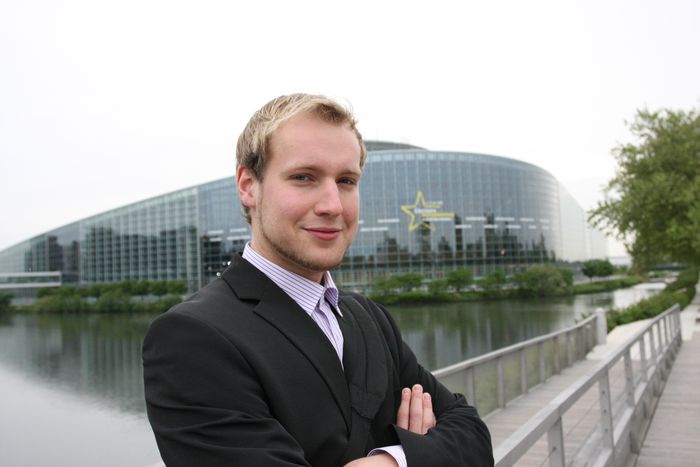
(304, 212)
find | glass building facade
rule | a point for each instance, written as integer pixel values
(421, 211)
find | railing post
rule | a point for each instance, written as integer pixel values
(557, 363)
(601, 323)
(555, 440)
(469, 383)
(664, 334)
(606, 419)
(543, 373)
(643, 356)
(523, 372)
(635, 443)
(629, 378)
(580, 351)
(500, 385)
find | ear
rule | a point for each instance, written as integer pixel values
(247, 186)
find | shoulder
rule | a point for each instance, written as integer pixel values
(210, 307)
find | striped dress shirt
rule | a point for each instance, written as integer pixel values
(314, 298)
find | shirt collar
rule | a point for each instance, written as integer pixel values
(306, 293)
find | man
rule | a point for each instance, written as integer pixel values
(270, 365)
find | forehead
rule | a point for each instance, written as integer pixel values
(308, 137)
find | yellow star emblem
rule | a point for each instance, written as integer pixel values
(421, 210)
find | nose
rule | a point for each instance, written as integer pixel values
(329, 202)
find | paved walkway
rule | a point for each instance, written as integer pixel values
(583, 417)
(672, 438)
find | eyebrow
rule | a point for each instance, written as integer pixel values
(316, 168)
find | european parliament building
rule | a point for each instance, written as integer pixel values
(421, 211)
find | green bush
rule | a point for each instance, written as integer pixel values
(60, 303)
(392, 285)
(412, 297)
(647, 308)
(604, 286)
(597, 268)
(113, 302)
(158, 306)
(159, 288)
(140, 288)
(687, 278)
(177, 287)
(681, 291)
(544, 280)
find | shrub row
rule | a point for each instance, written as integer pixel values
(681, 291)
(604, 286)
(541, 280)
(128, 288)
(109, 302)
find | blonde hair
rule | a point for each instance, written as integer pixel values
(252, 147)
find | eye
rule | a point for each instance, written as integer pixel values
(347, 181)
(300, 177)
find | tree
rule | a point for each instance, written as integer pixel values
(492, 284)
(597, 268)
(408, 282)
(654, 198)
(460, 278)
(437, 287)
(384, 286)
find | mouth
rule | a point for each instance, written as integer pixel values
(324, 233)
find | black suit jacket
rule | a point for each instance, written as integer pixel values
(240, 375)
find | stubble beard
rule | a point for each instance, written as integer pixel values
(293, 255)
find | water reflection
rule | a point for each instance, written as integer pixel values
(98, 356)
(444, 334)
(72, 384)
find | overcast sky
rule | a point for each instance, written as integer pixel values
(104, 103)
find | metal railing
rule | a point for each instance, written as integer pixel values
(490, 381)
(621, 427)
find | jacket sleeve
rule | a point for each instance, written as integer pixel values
(460, 437)
(201, 414)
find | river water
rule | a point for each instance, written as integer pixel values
(71, 391)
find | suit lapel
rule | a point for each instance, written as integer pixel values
(281, 312)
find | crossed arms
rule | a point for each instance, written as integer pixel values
(222, 390)
(415, 414)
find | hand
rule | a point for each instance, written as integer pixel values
(416, 411)
(378, 460)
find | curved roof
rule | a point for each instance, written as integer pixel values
(373, 145)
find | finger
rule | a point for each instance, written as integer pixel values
(415, 411)
(402, 414)
(428, 414)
